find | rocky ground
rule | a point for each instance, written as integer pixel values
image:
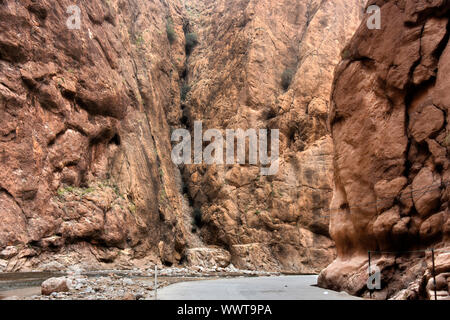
(124, 285)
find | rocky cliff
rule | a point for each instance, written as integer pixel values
(389, 121)
(236, 81)
(86, 175)
(87, 114)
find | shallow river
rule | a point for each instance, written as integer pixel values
(23, 283)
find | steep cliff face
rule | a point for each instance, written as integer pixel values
(86, 174)
(235, 76)
(87, 114)
(389, 122)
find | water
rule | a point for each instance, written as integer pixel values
(27, 284)
(19, 280)
(23, 283)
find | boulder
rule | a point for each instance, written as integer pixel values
(426, 192)
(52, 285)
(8, 252)
(210, 257)
(432, 227)
(426, 122)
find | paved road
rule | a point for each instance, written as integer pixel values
(261, 288)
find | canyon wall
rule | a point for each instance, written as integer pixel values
(86, 175)
(87, 115)
(235, 74)
(390, 126)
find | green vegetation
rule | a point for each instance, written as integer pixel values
(63, 191)
(345, 54)
(101, 189)
(117, 191)
(171, 35)
(74, 190)
(185, 88)
(447, 140)
(191, 42)
(139, 40)
(197, 218)
(163, 194)
(286, 78)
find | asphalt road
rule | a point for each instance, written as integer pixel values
(260, 288)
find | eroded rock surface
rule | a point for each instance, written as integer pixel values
(235, 73)
(389, 122)
(85, 165)
(86, 175)
(208, 257)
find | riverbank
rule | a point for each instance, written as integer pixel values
(110, 284)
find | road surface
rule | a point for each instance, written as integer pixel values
(260, 288)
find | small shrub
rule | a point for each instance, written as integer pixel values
(345, 54)
(139, 40)
(286, 78)
(197, 218)
(116, 190)
(74, 190)
(171, 35)
(87, 191)
(62, 191)
(447, 140)
(185, 88)
(191, 42)
(163, 194)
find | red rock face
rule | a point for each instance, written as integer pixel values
(389, 122)
(85, 154)
(84, 150)
(235, 74)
